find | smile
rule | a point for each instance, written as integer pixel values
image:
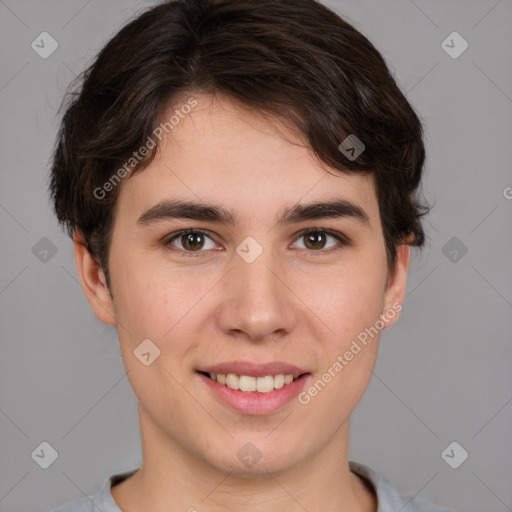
(268, 390)
(249, 384)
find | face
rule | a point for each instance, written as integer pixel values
(255, 296)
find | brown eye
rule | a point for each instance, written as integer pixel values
(191, 241)
(316, 240)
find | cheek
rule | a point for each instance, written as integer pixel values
(150, 298)
(347, 311)
(171, 308)
(345, 300)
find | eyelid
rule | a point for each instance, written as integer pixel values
(342, 239)
(168, 239)
(336, 234)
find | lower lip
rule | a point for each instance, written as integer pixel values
(254, 402)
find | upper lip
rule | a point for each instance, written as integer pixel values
(254, 369)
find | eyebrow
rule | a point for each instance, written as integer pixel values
(180, 209)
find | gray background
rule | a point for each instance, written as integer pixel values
(443, 372)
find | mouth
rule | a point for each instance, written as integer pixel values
(254, 389)
(252, 384)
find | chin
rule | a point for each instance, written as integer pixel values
(257, 460)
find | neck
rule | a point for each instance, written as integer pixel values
(172, 477)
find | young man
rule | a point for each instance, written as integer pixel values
(239, 180)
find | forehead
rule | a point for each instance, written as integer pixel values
(226, 153)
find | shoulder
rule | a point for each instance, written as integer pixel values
(388, 498)
(81, 505)
(101, 501)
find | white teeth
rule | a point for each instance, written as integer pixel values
(247, 383)
(264, 384)
(250, 384)
(278, 381)
(232, 381)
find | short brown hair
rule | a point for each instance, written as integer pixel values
(292, 58)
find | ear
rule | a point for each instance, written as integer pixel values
(397, 281)
(93, 281)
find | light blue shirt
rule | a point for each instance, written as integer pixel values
(387, 496)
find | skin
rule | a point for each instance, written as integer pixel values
(293, 303)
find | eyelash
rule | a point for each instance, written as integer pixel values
(342, 240)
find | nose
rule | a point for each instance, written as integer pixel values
(256, 302)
